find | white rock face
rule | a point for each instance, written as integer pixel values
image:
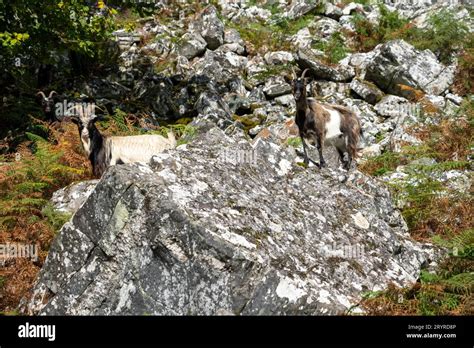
(399, 64)
(200, 234)
(279, 57)
(70, 198)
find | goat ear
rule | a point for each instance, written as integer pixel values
(73, 119)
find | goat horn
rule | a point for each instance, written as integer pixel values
(98, 107)
(294, 73)
(51, 93)
(42, 94)
(304, 72)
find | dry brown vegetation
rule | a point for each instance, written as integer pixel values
(27, 180)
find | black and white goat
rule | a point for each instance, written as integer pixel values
(47, 104)
(106, 151)
(320, 124)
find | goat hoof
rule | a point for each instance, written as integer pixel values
(322, 165)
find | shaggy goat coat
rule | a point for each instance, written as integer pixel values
(322, 124)
(106, 151)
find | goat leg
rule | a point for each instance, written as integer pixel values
(341, 155)
(299, 153)
(347, 163)
(306, 160)
(322, 162)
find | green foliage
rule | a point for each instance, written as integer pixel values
(10, 40)
(35, 29)
(427, 277)
(444, 35)
(461, 245)
(461, 283)
(382, 164)
(272, 37)
(417, 194)
(389, 21)
(184, 132)
(262, 37)
(432, 302)
(295, 142)
(291, 27)
(55, 218)
(362, 2)
(119, 118)
(273, 70)
(33, 178)
(334, 49)
(369, 35)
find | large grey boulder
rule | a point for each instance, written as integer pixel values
(192, 45)
(337, 73)
(368, 91)
(299, 8)
(278, 58)
(399, 64)
(222, 226)
(276, 86)
(220, 66)
(210, 27)
(325, 27)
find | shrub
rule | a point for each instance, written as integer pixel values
(27, 180)
(334, 49)
(369, 35)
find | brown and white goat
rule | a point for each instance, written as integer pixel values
(106, 151)
(321, 124)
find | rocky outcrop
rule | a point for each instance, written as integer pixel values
(220, 225)
(210, 27)
(399, 65)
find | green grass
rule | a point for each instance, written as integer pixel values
(272, 36)
(273, 70)
(295, 142)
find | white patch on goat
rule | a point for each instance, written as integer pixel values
(333, 126)
(86, 142)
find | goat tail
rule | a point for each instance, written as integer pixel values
(353, 139)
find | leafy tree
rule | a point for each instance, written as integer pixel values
(30, 31)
